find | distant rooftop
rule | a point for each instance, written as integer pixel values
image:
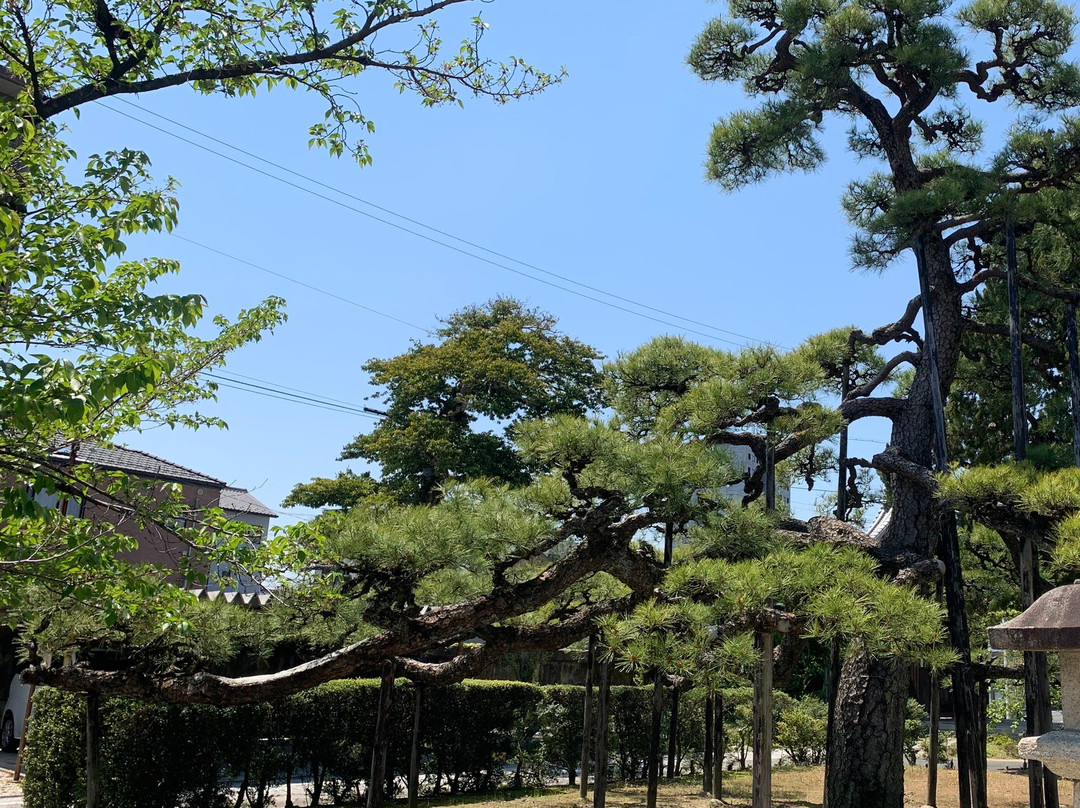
(242, 501)
(132, 461)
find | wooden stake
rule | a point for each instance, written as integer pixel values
(381, 748)
(841, 460)
(93, 750)
(1074, 377)
(763, 698)
(718, 746)
(654, 740)
(600, 779)
(935, 739)
(833, 684)
(586, 733)
(770, 477)
(673, 733)
(707, 761)
(414, 752)
(1016, 354)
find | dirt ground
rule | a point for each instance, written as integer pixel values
(792, 788)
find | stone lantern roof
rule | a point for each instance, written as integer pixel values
(1051, 623)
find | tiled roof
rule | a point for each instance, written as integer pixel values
(880, 523)
(120, 458)
(253, 600)
(241, 501)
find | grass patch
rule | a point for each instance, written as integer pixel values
(792, 788)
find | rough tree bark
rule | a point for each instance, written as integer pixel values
(914, 530)
(870, 711)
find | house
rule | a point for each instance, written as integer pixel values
(156, 544)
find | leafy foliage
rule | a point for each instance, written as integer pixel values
(76, 51)
(88, 352)
(500, 364)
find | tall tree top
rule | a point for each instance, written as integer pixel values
(494, 366)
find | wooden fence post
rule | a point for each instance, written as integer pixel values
(763, 699)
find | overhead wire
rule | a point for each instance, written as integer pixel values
(429, 238)
(298, 282)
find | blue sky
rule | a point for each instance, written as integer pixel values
(599, 179)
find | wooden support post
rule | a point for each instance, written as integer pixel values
(414, 752)
(833, 688)
(381, 748)
(763, 698)
(586, 732)
(1074, 377)
(654, 740)
(841, 460)
(1016, 354)
(933, 753)
(972, 770)
(673, 733)
(770, 477)
(1042, 787)
(718, 746)
(93, 750)
(600, 779)
(669, 542)
(707, 760)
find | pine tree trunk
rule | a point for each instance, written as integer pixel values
(869, 769)
(868, 765)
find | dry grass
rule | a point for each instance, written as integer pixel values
(792, 788)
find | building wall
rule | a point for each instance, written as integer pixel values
(239, 582)
(156, 544)
(744, 461)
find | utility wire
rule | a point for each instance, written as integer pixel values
(291, 279)
(283, 387)
(270, 390)
(428, 238)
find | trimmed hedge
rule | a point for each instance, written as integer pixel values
(476, 736)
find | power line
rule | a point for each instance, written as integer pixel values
(270, 390)
(306, 285)
(285, 387)
(428, 238)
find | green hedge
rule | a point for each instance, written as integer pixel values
(475, 736)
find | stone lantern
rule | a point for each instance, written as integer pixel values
(1052, 623)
